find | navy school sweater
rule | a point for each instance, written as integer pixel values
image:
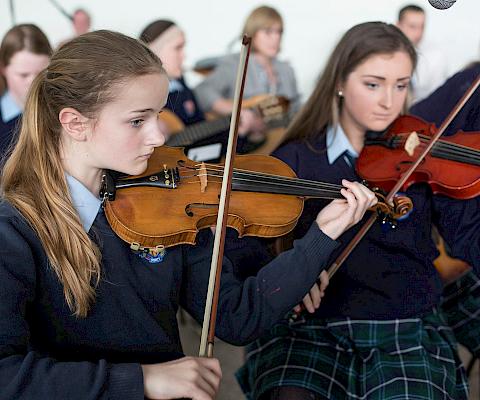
(46, 353)
(7, 133)
(438, 105)
(390, 274)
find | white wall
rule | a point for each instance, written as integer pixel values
(311, 26)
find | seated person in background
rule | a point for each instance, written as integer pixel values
(24, 52)
(265, 75)
(431, 69)
(167, 41)
(81, 22)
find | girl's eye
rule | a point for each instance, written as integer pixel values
(371, 85)
(136, 123)
(402, 87)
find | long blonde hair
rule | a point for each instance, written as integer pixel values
(357, 44)
(262, 17)
(82, 74)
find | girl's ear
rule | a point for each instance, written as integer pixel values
(74, 123)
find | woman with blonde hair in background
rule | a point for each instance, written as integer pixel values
(266, 74)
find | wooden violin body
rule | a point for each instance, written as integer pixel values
(173, 215)
(451, 168)
(176, 197)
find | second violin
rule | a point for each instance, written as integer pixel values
(451, 168)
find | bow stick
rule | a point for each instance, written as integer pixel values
(208, 328)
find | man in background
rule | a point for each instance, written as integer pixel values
(431, 69)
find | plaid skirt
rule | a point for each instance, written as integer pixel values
(461, 307)
(358, 359)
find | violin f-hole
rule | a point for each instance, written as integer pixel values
(399, 166)
(188, 208)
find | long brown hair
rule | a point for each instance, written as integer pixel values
(83, 74)
(357, 44)
(22, 37)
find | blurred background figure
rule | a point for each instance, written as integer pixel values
(266, 74)
(432, 68)
(24, 52)
(81, 21)
(167, 40)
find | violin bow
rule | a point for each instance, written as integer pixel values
(210, 315)
(361, 233)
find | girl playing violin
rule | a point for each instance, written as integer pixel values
(75, 300)
(379, 333)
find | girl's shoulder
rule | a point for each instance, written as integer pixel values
(302, 152)
(11, 218)
(7, 211)
(230, 60)
(307, 147)
(283, 65)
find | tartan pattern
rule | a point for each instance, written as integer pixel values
(358, 359)
(461, 307)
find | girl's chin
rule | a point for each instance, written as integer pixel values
(379, 126)
(133, 170)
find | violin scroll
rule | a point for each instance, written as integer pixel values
(391, 213)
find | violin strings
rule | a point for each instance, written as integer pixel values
(270, 181)
(259, 177)
(317, 189)
(453, 147)
(449, 150)
(457, 152)
(217, 170)
(277, 178)
(442, 151)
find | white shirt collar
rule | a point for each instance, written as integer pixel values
(9, 108)
(174, 85)
(84, 201)
(338, 144)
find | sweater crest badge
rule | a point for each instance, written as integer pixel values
(153, 255)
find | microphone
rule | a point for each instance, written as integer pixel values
(442, 4)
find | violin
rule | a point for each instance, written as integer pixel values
(176, 197)
(450, 168)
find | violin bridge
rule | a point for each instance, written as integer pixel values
(202, 175)
(411, 143)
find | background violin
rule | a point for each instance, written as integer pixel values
(451, 168)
